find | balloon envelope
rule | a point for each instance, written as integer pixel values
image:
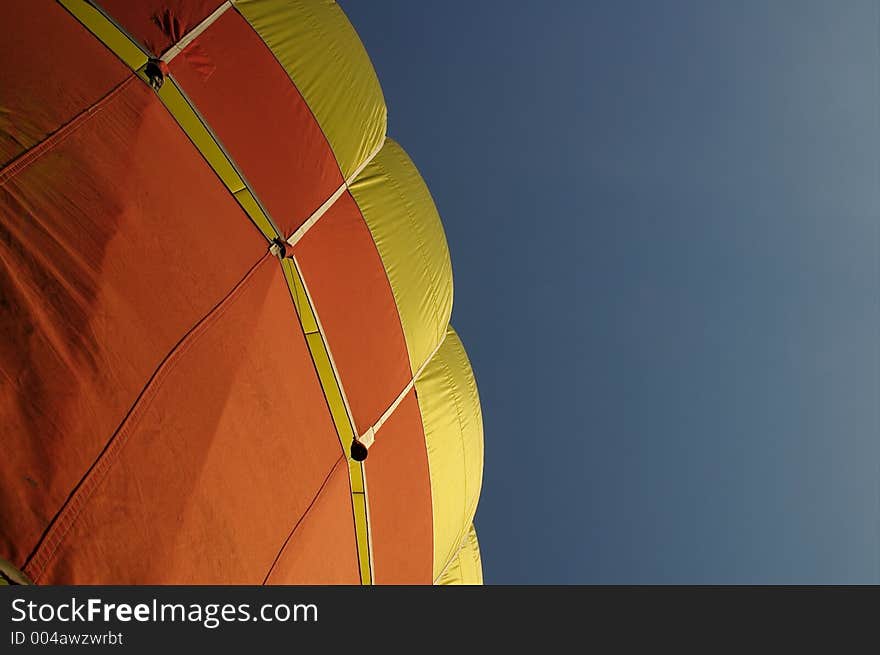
(217, 274)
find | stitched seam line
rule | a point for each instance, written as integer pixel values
(302, 518)
(72, 509)
(57, 137)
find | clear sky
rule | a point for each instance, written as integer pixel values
(663, 220)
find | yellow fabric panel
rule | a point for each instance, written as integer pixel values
(450, 407)
(322, 54)
(408, 233)
(466, 567)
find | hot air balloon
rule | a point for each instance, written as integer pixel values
(225, 298)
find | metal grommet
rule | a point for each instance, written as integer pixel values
(358, 451)
(279, 248)
(155, 71)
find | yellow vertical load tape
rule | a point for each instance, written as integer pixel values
(198, 133)
(110, 35)
(316, 44)
(338, 412)
(322, 54)
(408, 233)
(179, 107)
(331, 388)
(450, 407)
(252, 208)
(466, 566)
(359, 505)
(299, 297)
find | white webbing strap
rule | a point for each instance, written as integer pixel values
(320, 211)
(368, 437)
(194, 33)
(301, 231)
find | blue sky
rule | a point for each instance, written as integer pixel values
(663, 220)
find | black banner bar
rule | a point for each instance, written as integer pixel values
(147, 619)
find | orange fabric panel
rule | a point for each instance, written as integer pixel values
(115, 239)
(322, 547)
(353, 299)
(249, 101)
(53, 69)
(158, 24)
(399, 493)
(223, 453)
